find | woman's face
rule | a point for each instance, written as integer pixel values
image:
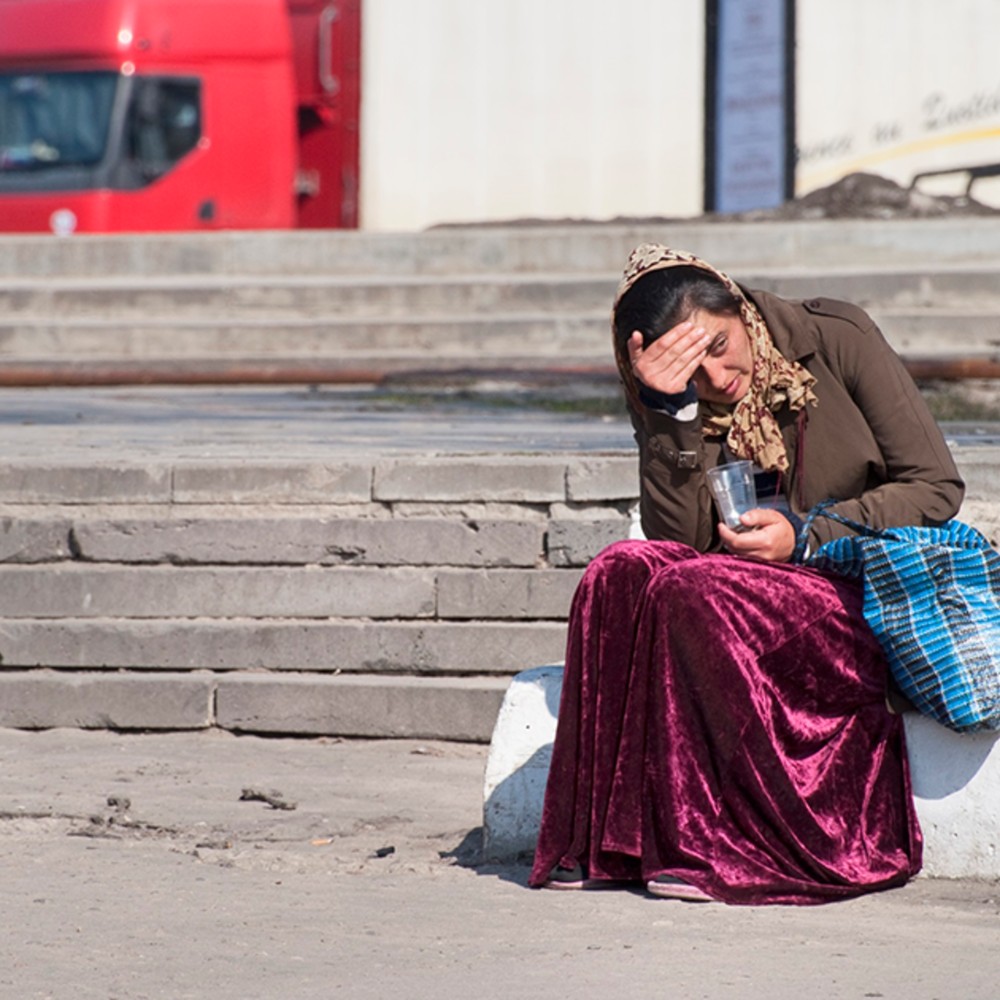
(724, 374)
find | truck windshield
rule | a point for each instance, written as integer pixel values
(54, 119)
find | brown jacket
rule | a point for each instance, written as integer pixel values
(870, 443)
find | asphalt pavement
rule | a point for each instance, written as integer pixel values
(205, 865)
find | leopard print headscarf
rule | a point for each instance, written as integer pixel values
(750, 427)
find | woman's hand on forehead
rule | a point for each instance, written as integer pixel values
(670, 361)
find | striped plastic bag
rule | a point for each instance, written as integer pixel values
(932, 598)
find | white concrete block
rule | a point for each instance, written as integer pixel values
(956, 782)
(517, 766)
(956, 787)
(635, 524)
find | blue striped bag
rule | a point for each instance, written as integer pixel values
(932, 598)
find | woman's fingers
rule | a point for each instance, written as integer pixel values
(635, 348)
(771, 537)
(668, 363)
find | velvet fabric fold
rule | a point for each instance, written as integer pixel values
(724, 721)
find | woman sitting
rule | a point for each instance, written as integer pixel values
(724, 731)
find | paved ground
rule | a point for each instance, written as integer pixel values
(133, 867)
(169, 423)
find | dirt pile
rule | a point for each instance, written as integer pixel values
(855, 196)
(868, 196)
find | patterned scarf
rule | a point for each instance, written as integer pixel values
(750, 427)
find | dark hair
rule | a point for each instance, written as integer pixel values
(660, 300)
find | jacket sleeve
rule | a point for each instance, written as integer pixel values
(922, 484)
(674, 502)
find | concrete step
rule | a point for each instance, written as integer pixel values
(420, 486)
(334, 296)
(386, 592)
(887, 286)
(228, 534)
(450, 708)
(940, 331)
(474, 340)
(318, 296)
(585, 247)
(77, 590)
(410, 340)
(327, 646)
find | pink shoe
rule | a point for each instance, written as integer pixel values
(671, 887)
(573, 878)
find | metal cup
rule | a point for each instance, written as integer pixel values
(733, 489)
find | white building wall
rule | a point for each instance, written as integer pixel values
(485, 110)
(895, 87)
(480, 110)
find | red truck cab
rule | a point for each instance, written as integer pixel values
(150, 115)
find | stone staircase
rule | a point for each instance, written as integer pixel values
(346, 305)
(292, 562)
(387, 596)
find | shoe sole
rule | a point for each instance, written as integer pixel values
(678, 890)
(587, 883)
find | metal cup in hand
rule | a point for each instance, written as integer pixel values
(733, 488)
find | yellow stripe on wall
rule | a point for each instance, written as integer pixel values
(820, 177)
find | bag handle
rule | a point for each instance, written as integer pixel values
(822, 510)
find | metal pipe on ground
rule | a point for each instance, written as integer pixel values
(84, 374)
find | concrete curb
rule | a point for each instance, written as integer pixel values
(956, 782)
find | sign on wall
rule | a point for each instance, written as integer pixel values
(749, 104)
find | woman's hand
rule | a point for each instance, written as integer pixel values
(669, 362)
(772, 538)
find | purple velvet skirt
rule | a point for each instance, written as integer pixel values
(725, 721)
